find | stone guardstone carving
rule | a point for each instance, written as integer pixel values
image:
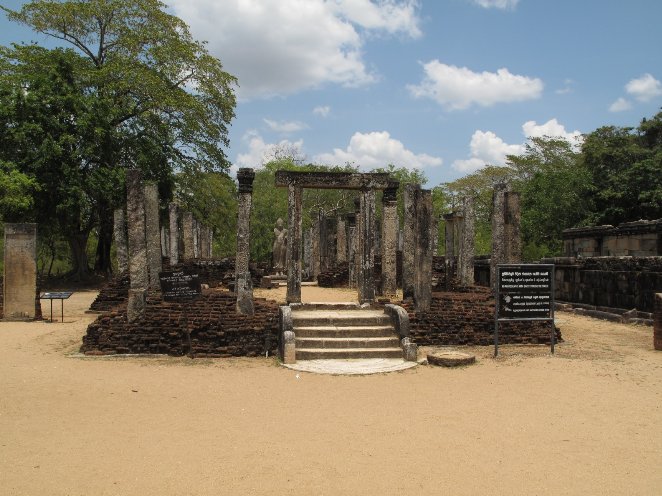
(280, 248)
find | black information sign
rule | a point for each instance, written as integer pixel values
(179, 286)
(525, 291)
(56, 295)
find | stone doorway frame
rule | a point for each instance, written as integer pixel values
(366, 184)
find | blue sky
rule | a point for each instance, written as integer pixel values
(445, 86)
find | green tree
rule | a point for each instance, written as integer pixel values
(154, 98)
(553, 183)
(626, 170)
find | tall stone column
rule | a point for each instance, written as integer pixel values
(351, 256)
(119, 234)
(188, 236)
(138, 268)
(153, 233)
(173, 214)
(211, 243)
(307, 253)
(315, 234)
(164, 241)
(409, 241)
(341, 240)
(357, 247)
(449, 243)
(512, 220)
(196, 238)
(498, 230)
(423, 286)
(204, 242)
(390, 227)
(20, 272)
(243, 283)
(294, 195)
(465, 266)
(324, 243)
(366, 278)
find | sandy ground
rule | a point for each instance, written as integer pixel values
(586, 421)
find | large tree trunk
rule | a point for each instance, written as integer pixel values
(78, 245)
(102, 263)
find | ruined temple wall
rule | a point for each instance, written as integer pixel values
(640, 239)
(615, 282)
(216, 330)
(467, 318)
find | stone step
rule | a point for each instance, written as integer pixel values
(331, 331)
(339, 318)
(344, 343)
(346, 354)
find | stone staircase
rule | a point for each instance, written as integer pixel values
(343, 331)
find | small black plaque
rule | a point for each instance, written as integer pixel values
(179, 285)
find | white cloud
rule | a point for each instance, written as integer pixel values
(497, 4)
(644, 88)
(567, 87)
(377, 149)
(260, 152)
(278, 47)
(551, 128)
(322, 110)
(285, 127)
(620, 105)
(391, 16)
(487, 148)
(459, 87)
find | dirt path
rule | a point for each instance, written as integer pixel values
(585, 421)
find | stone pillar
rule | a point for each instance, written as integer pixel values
(164, 241)
(196, 238)
(324, 243)
(390, 226)
(211, 242)
(153, 233)
(449, 243)
(119, 234)
(188, 236)
(204, 242)
(341, 240)
(138, 268)
(20, 276)
(512, 219)
(243, 284)
(307, 253)
(498, 255)
(366, 278)
(465, 266)
(506, 240)
(315, 246)
(357, 246)
(173, 213)
(351, 250)
(657, 321)
(294, 195)
(423, 285)
(409, 241)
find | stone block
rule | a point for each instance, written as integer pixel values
(20, 277)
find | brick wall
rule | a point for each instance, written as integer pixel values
(216, 330)
(466, 317)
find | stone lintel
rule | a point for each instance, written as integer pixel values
(333, 180)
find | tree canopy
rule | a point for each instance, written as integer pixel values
(133, 90)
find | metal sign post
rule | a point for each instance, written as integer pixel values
(524, 292)
(59, 295)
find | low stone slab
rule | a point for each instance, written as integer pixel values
(451, 358)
